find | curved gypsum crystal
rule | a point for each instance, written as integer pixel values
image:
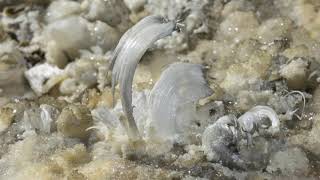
(133, 30)
(127, 55)
(179, 84)
(217, 140)
(250, 121)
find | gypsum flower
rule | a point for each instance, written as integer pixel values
(145, 22)
(179, 84)
(127, 55)
(131, 32)
(250, 121)
(304, 103)
(217, 139)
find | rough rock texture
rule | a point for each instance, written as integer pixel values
(6, 118)
(291, 161)
(40, 77)
(295, 73)
(57, 119)
(310, 140)
(74, 121)
(12, 67)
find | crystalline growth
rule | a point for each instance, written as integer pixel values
(39, 77)
(173, 99)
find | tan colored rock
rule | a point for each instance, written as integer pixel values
(295, 73)
(117, 12)
(203, 49)
(248, 99)
(314, 27)
(106, 98)
(259, 62)
(116, 168)
(297, 51)
(239, 5)
(72, 157)
(240, 76)
(91, 98)
(232, 27)
(237, 77)
(301, 36)
(12, 67)
(6, 118)
(309, 140)
(74, 120)
(245, 49)
(273, 29)
(135, 5)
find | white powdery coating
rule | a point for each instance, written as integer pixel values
(38, 75)
(254, 117)
(180, 84)
(128, 54)
(217, 138)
